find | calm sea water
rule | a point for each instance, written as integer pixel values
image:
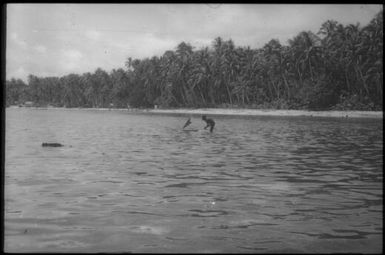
(128, 182)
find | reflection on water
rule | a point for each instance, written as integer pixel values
(127, 182)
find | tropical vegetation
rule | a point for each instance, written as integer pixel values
(339, 67)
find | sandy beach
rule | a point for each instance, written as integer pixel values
(237, 112)
(258, 112)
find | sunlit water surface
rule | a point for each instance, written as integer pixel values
(128, 182)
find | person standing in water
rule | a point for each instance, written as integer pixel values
(210, 123)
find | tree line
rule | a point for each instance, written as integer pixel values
(339, 67)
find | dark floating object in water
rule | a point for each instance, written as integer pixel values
(188, 122)
(52, 145)
(190, 130)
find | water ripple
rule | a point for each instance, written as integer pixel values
(261, 184)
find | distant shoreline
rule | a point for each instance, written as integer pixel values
(271, 112)
(237, 112)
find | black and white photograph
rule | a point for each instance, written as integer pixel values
(193, 128)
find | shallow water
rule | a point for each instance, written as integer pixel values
(128, 182)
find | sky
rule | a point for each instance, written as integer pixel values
(59, 39)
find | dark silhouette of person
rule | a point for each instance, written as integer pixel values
(210, 123)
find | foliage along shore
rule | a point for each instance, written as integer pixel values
(338, 68)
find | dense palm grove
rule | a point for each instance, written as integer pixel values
(340, 68)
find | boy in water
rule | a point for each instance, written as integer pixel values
(210, 123)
